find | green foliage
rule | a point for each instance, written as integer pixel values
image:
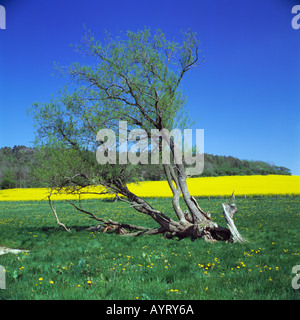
(16, 162)
(229, 166)
(134, 78)
(72, 168)
(8, 181)
(45, 167)
(95, 265)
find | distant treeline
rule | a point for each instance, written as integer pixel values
(17, 163)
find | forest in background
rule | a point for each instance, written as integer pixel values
(17, 163)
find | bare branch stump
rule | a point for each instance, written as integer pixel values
(229, 210)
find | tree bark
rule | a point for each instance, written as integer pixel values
(229, 210)
(175, 190)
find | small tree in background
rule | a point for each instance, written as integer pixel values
(8, 181)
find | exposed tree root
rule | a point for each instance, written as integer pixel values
(110, 225)
(186, 227)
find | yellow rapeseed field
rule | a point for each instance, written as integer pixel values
(206, 186)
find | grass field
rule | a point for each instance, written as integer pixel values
(90, 265)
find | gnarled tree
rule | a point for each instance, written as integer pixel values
(134, 78)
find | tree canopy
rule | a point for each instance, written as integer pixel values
(135, 79)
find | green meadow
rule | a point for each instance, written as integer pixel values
(95, 265)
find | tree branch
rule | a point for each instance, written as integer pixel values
(54, 211)
(148, 232)
(109, 221)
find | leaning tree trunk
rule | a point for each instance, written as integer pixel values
(193, 223)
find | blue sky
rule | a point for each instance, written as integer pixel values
(245, 95)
